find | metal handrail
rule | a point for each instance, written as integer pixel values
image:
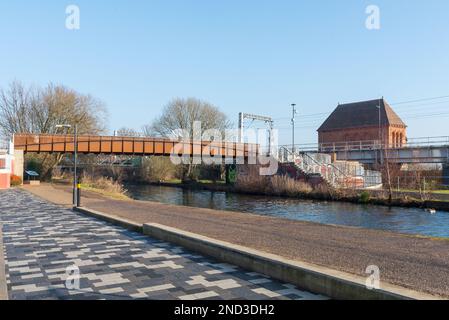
(373, 144)
(309, 165)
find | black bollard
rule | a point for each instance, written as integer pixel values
(78, 195)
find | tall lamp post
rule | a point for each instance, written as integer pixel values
(76, 192)
(379, 133)
(294, 112)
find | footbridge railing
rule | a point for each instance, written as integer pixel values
(310, 166)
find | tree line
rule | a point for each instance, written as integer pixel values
(37, 110)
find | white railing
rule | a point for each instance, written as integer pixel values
(333, 175)
(366, 145)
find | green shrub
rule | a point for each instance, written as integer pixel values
(364, 197)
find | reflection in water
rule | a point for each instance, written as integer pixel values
(403, 220)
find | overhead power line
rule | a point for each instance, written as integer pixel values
(419, 100)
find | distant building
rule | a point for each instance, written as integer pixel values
(361, 121)
(6, 164)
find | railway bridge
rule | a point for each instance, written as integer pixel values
(418, 150)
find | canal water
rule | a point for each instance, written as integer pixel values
(402, 220)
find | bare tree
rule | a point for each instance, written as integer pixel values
(180, 114)
(147, 130)
(178, 119)
(16, 105)
(127, 132)
(37, 110)
(63, 105)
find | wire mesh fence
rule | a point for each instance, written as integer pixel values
(4, 144)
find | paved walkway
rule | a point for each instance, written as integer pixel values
(420, 264)
(41, 240)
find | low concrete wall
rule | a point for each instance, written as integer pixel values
(320, 280)
(328, 282)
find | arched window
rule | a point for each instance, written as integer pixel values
(396, 141)
(393, 140)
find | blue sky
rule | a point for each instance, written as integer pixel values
(251, 56)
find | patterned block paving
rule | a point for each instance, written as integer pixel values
(43, 242)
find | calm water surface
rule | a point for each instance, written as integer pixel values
(403, 220)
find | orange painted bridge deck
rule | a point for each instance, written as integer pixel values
(33, 143)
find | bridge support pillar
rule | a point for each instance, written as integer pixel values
(231, 173)
(446, 174)
(18, 163)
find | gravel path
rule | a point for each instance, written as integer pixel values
(417, 263)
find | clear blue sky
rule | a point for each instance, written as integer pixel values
(253, 56)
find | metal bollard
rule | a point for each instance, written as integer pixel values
(78, 195)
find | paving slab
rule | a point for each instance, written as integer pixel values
(49, 248)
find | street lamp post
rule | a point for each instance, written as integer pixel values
(379, 133)
(294, 112)
(76, 191)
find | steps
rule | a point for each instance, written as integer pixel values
(313, 168)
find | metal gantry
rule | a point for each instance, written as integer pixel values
(267, 120)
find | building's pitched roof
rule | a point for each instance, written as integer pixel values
(361, 114)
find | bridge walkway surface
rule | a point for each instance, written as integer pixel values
(417, 263)
(143, 146)
(41, 240)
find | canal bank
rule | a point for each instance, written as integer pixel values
(396, 219)
(406, 199)
(417, 263)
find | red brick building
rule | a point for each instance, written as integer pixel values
(363, 121)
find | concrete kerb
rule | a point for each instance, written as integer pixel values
(325, 281)
(127, 224)
(3, 285)
(317, 279)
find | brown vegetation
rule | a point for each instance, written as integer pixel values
(103, 185)
(273, 185)
(157, 169)
(16, 181)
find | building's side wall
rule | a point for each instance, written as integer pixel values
(394, 136)
(18, 168)
(7, 166)
(5, 180)
(5, 171)
(397, 136)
